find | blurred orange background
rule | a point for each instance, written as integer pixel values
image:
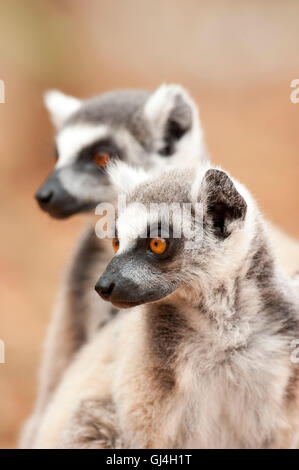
(236, 58)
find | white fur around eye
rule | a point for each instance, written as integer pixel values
(72, 139)
(131, 224)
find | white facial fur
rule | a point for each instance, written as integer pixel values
(72, 139)
(131, 224)
(84, 187)
(124, 177)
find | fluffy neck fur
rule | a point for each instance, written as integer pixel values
(223, 346)
(251, 290)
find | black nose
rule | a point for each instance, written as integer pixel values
(104, 288)
(44, 196)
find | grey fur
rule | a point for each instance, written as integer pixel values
(123, 108)
(93, 426)
(119, 108)
(91, 253)
(170, 187)
(130, 118)
(208, 366)
(166, 329)
(115, 107)
(231, 330)
(79, 315)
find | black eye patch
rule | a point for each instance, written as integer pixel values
(142, 249)
(106, 146)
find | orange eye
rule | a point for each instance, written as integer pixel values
(115, 244)
(158, 245)
(101, 159)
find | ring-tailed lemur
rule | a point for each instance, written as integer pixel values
(150, 129)
(136, 126)
(204, 359)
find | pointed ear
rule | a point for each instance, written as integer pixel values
(223, 205)
(60, 106)
(170, 113)
(125, 178)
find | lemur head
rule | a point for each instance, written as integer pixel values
(177, 230)
(136, 126)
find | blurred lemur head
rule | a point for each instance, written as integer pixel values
(178, 230)
(143, 128)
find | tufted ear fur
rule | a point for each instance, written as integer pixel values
(60, 106)
(124, 177)
(222, 203)
(171, 113)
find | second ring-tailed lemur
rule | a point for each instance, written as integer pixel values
(203, 360)
(148, 129)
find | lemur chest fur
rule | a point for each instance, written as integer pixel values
(221, 383)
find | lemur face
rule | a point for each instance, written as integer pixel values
(142, 128)
(153, 255)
